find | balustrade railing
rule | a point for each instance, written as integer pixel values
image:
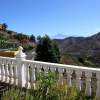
(21, 72)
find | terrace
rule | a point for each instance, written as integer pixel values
(16, 71)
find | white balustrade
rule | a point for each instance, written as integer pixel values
(22, 72)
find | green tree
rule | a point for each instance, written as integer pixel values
(56, 51)
(21, 36)
(45, 51)
(32, 38)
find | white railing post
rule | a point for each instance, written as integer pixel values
(20, 67)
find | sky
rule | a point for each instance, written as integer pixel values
(52, 17)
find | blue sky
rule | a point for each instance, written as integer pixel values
(52, 17)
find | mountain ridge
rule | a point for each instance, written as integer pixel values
(81, 46)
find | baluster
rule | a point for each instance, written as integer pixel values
(98, 86)
(45, 68)
(61, 79)
(57, 74)
(83, 82)
(38, 69)
(88, 83)
(36, 72)
(2, 72)
(15, 73)
(30, 74)
(27, 76)
(93, 85)
(11, 72)
(33, 77)
(73, 78)
(6, 72)
(69, 77)
(50, 69)
(65, 76)
(42, 69)
(78, 80)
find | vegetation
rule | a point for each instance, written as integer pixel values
(46, 50)
(56, 51)
(32, 38)
(7, 45)
(27, 47)
(69, 59)
(47, 88)
(77, 60)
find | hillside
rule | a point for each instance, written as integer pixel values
(85, 47)
(9, 38)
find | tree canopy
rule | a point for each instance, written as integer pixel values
(46, 50)
(32, 38)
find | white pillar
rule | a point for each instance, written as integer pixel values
(20, 67)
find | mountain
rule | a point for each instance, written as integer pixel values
(81, 46)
